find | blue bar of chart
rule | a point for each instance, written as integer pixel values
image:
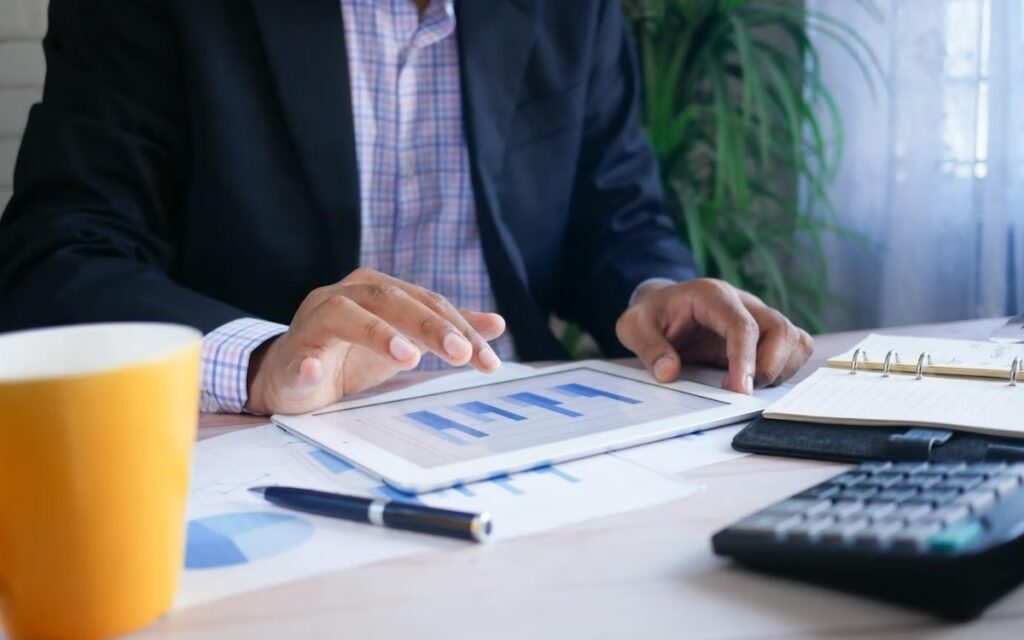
(505, 482)
(441, 424)
(332, 463)
(391, 493)
(535, 400)
(557, 472)
(583, 391)
(482, 410)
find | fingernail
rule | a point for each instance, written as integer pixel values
(401, 349)
(456, 346)
(748, 384)
(663, 367)
(489, 359)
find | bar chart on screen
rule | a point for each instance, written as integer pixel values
(443, 428)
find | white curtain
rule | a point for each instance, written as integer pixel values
(932, 172)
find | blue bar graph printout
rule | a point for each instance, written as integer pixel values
(478, 421)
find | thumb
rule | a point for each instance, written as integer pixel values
(640, 333)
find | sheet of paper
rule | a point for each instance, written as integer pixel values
(238, 542)
(690, 451)
(833, 395)
(1012, 331)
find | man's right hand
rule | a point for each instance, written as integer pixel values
(355, 334)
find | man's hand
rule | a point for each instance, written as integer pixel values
(711, 322)
(357, 333)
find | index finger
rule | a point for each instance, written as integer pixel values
(721, 310)
(483, 356)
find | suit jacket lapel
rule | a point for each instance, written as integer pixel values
(305, 47)
(495, 40)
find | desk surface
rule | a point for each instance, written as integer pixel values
(649, 573)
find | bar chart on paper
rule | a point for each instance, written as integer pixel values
(440, 429)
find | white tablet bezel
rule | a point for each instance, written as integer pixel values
(410, 477)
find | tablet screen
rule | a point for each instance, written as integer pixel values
(460, 426)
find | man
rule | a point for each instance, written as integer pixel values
(384, 176)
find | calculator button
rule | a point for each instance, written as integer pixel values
(987, 467)
(1002, 485)
(807, 530)
(1016, 469)
(858, 492)
(884, 480)
(849, 478)
(878, 510)
(765, 525)
(799, 506)
(955, 537)
(846, 508)
(915, 536)
(948, 514)
(935, 496)
(1011, 472)
(977, 501)
(910, 512)
(946, 467)
(961, 481)
(924, 480)
(874, 466)
(909, 467)
(843, 530)
(877, 534)
(895, 494)
(820, 492)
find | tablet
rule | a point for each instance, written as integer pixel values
(474, 426)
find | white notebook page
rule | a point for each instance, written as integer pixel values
(837, 396)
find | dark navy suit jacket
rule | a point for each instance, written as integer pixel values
(194, 161)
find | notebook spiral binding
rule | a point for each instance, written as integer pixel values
(924, 359)
(920, 363)
(893, 355)
(858, 356)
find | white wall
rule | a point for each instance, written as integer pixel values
(22, 26)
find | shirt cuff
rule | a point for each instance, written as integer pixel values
(646, 282)
(225, 362)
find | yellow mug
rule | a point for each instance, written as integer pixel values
(97, 424)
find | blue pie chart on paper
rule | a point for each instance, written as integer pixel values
(230, 539)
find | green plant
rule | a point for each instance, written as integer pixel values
(737, 112)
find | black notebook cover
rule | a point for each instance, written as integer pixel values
(856, 443)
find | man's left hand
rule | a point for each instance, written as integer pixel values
(709, 321)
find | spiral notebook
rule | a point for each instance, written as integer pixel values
(904, 381)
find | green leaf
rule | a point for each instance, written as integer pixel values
(737, 111)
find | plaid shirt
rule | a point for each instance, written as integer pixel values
(418, 216)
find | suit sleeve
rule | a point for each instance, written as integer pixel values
(89, 233)
(620, 232)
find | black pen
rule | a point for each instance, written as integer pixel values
(386, 513)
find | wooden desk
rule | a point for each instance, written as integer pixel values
(647, 574)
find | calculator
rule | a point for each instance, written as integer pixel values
(944, 537)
